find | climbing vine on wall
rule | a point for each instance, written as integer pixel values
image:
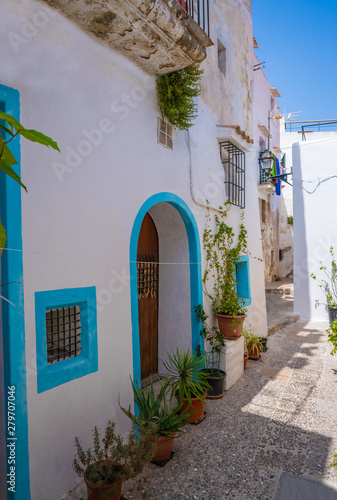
(176, 93)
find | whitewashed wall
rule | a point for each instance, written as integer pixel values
(77, 218)
(314, 160)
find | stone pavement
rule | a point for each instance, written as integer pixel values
(280, 305)
(270, 437)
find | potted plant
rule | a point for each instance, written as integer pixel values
(332, 331)
(252, 343)
(188, 382)
(155, 408)
(222, 259)
(112, 460)
(264, 341)
(329, 287)
(214, 344)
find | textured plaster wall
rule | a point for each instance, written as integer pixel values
(270, 229)
(230, 95)
(314, 219)
(81, 204)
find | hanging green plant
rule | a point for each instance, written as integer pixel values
(176, 92)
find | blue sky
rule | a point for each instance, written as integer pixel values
(298, 41)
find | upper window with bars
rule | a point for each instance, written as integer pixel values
(233, 160)
(66, 335)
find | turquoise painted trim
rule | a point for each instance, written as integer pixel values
(195, 269)
(243, 279)
(13, 321)
(50, 376)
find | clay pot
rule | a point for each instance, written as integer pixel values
(164, 449)
(245, 357)
(230, 328)
(103, 491)
(197, 406)
(254, 352)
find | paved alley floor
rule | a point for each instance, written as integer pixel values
(270, 437)
(279, 422)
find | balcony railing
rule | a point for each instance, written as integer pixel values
(199, 10)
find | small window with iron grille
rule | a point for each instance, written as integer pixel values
(233, 160)
(164, 133)
(63, 328)
(66, 335)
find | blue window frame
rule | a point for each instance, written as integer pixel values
(57, 373)
(243, 279)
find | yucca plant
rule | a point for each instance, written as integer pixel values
(155, 408)
(186, 375)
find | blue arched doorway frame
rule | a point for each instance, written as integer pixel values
(195, 269)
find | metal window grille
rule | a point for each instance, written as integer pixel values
(147, 274)
(199, 10)
(63, 328)
(164, 133)
(233, 160)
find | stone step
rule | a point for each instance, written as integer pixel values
(280, 291)
(282, 323)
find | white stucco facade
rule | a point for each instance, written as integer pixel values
(314, 179)
(81, 205)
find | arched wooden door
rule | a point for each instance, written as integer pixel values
(148, 281)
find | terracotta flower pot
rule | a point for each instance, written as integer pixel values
(103, 491)
(197, 406)
(245, 357)
(164, 449)
(230, 328)
(254, 352)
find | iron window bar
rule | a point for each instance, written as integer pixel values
(233, 161)
(63, 328)
(199, 11)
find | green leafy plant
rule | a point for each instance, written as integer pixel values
(186, 375)
(176, 93)
(290, 220)
(329, 286)
(215, 342)
(333, 463)
(155, 408)
(9, 129)
(332, 336)
(252, 341)
(222, 259)
(112, 459)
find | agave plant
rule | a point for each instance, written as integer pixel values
(186, 375)
(156, 409)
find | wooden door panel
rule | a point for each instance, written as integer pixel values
(148, 281)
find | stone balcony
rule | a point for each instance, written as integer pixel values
(158, 35)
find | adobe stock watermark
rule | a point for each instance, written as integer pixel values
(121, 108)
(31, 27)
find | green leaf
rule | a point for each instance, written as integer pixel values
(6, 162)
(2, 236)
(31, 135)
(6, 130)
